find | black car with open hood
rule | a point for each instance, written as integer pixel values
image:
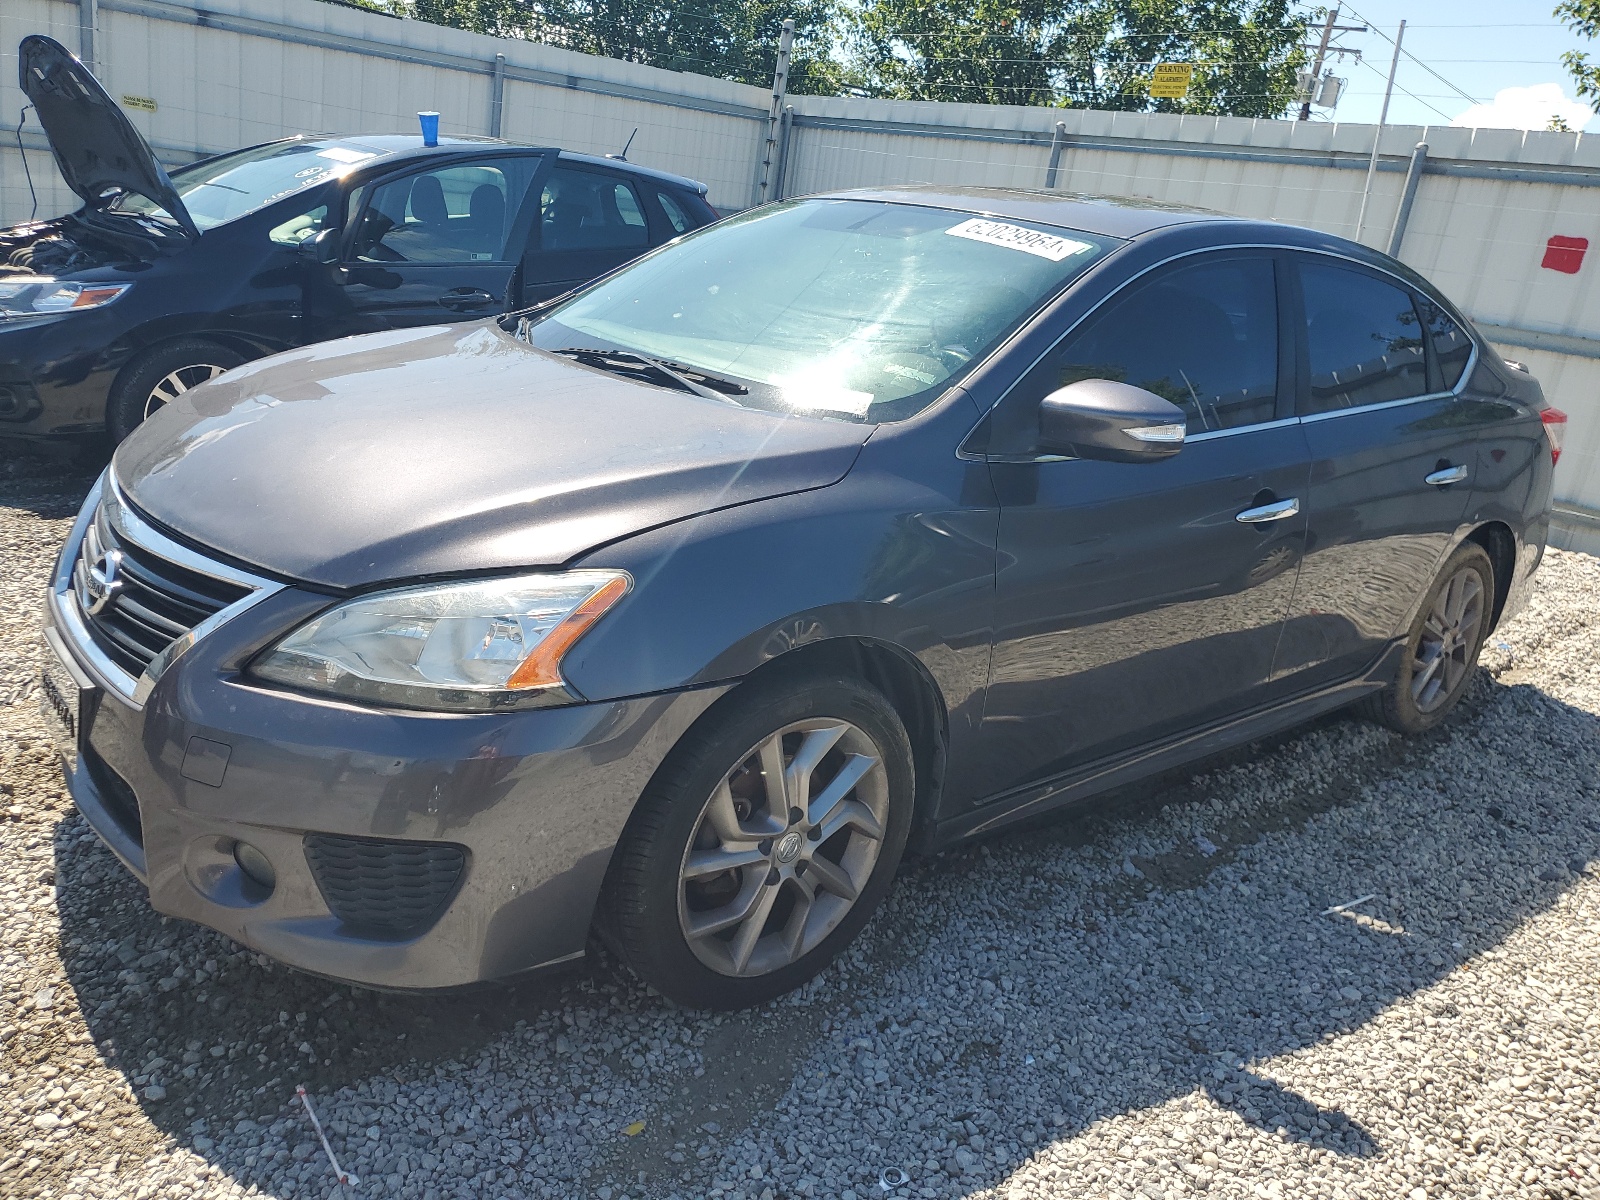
(99, 153)
(161, 281)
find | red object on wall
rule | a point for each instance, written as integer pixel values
(1564, 254)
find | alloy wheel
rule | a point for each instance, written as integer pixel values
(1449, 637)
(783, 847)
(176, 383)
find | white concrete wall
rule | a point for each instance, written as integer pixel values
(242, 79)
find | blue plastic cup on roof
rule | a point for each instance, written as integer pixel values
(430, 127)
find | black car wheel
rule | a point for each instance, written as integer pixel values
(1443, 645)
(764, 844)
(160, 376)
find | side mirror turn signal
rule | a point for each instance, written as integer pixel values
(1114, 422)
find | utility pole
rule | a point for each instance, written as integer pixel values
(1383, 116)
(1316, 69)
(780, 91)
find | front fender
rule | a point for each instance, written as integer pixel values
(903, 557)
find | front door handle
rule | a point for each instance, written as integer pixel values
(1276, 511)
(466, 299)
(1445, 476)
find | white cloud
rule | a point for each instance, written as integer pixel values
(1527, 108)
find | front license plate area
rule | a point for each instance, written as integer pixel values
(62, 700)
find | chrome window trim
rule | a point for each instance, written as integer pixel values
(1382, 404)
(1212, 434)
(1466, 373)
(1208, 436)
(64, 608)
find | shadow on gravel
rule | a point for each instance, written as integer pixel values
(1122, 985)
(48, 480)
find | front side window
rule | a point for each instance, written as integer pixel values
(1363, 337)
(854, 309)
(451, 215)
(1204, 336)
(584, 210)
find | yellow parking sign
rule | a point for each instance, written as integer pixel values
(1170, 81)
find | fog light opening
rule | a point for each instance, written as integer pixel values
(255, 867)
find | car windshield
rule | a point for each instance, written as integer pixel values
(231, 185)
(855, 309)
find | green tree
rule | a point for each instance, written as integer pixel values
(730, 39)
(1085, 53)
(1582, 17)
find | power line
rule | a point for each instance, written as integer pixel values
(1407, 91)
(1470, 99)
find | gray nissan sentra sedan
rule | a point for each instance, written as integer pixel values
(678, 610)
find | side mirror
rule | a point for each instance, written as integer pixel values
(1116, 422)
(323, 248)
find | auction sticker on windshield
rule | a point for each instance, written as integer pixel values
(1019, 237)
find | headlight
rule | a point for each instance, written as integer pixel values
(473, 647)
(35, 294)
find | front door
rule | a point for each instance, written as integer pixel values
(1393, 449)
(434, 245)
(590, 222)
(1136, 601)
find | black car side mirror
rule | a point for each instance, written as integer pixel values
(1116, 422)
(323, 248)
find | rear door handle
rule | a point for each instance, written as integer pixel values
(1275, 511)
(1445, 476)
(466, 299)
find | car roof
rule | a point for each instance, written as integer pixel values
(1108, 216)
(691, 185)
(399, 146)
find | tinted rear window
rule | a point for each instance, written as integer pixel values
(1364, 339)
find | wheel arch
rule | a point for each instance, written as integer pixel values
(904, 681)
(1500, 544)
(910, 690)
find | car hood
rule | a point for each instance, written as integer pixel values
(451, 449)
(96, 148)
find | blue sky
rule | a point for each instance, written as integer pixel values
(1482, 46)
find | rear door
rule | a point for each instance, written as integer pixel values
(590, 221)
(426, 246)
(1393, 449)
(1137, 601)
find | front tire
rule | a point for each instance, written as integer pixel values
(764, 843)
(161, 375)
(1442, 647)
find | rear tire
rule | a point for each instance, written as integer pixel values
(725, 892)
(1442, 647)
(160, 375)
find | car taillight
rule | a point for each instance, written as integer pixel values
(1555, 426)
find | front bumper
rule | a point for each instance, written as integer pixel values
(56, 372)
(538, 798)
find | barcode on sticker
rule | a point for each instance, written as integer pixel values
(1019, 237)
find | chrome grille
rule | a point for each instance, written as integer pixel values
(136, 603)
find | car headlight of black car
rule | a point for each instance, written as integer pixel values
(36, 295)
(474, 646)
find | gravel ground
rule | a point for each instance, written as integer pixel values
(1150, 1002)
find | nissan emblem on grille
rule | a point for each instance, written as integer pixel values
(100, 583)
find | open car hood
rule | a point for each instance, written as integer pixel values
(447, 450)
(99, 153)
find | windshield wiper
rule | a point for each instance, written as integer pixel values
(677, 373)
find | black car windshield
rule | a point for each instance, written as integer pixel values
(231, 185)
(855, 309)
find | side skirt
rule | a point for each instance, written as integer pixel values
(1084, 783)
